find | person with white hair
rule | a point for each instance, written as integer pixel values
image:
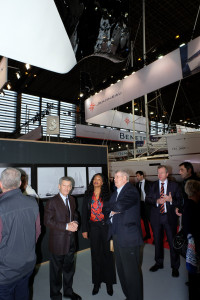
(123, 211)
(19, 231)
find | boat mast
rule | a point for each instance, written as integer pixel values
(145, 96)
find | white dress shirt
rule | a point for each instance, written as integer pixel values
(143, 194)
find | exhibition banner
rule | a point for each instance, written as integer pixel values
(119, 119)
(174, 66)
(85, 131)
(32, 32)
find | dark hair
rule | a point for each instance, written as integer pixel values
(105, 195)
(24, 180)
(140, 172)
(188, 166)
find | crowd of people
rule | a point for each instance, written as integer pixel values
(163, 206)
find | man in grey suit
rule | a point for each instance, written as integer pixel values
(61, 218)
(123, 211)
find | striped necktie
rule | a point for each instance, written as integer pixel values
(162, 206)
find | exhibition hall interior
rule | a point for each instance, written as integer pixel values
(96, 86)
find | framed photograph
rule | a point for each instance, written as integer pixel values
(92, 171)
(78, 175)
(48, 180)
(23, 170)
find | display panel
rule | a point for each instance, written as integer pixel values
(92, 171)
(78, 174)
(48, 180)
(23, 170)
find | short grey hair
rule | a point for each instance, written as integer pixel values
(66, 178)
(124, 173)
(10, 178)
(192, 187)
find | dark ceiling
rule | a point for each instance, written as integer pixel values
(164, 20)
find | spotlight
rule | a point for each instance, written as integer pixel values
(18, 74)
(27, 66)
(2, 93)
(8, 86)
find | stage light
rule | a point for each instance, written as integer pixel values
(27, 66)
(8, 86)
(18, 74)
(2, 93)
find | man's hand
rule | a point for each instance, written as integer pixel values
(177, 212)
(161, 200)
(114, 213)
(168, 198)
(85, 235)
(72, 226)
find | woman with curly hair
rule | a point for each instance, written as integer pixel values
(94, 227)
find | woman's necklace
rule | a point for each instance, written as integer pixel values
(97, 195)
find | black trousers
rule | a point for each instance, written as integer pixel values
(103, 268)
(62, 270)
(158, 233)
(145, 217)
(129, 261)
(194, 286)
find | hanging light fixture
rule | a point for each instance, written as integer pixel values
(18, 74)
(27, 66)
(8, 86)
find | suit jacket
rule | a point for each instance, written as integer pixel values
(154, 194)
(147, 186)
(125, 225)
(56, 216)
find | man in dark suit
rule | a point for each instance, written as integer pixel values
(123, 210)
(61, 218)
(164, 196)
(143, 187)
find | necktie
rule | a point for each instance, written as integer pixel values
(162, 206)
(67, 205)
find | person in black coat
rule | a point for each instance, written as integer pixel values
(94, 227)
(143, 186)
(192, 228)
(164, 196)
